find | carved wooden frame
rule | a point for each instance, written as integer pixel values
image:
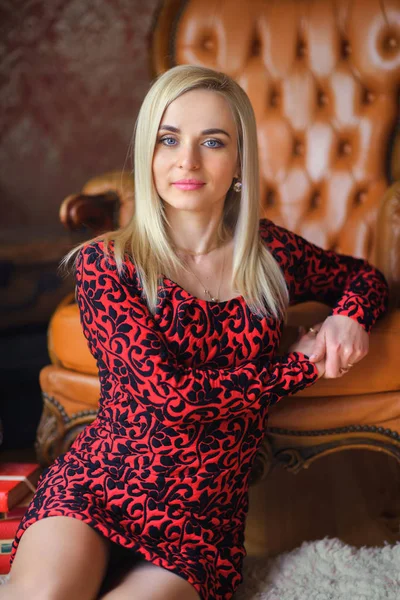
(57, 430)
(296, 450)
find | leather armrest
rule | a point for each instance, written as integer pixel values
(378, 372)
(105, 203)
(388, 241)
(68, 346)
(74, 391)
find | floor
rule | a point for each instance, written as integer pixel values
(353, 495)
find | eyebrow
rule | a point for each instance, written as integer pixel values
(205, 132)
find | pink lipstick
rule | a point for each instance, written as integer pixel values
(188, 184)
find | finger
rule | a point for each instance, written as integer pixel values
(332, 365)
(319, 350)
(350, 362)
(348, 359)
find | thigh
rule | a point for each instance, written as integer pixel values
(59, 557)
(145, 581)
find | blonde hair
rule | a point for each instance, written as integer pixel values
(256, 274)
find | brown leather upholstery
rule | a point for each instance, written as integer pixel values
(323, 78)
(70, 350)
(104, 203)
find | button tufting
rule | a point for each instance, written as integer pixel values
(298, 148)
(368, 97)
(270, 198)
(301, 49)
(274, 98)
(255, 47)
(391, 42)
(322, 98)
(315, 200)
(208, 43)
(360, 197)
(344, 148)
(346, 48)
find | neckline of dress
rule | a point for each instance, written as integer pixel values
(200, 300)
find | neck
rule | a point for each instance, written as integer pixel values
(196, 235)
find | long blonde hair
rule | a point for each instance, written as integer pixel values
(256, 274)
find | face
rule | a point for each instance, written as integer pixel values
(196, 158)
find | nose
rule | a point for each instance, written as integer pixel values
(188, 157)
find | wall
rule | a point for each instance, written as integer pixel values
(72, 76)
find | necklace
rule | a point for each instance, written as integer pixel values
(206, 291)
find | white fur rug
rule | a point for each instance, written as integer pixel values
(323, 570)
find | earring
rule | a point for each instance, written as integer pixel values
(237, 186)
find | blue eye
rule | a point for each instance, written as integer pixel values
(166, 140)
(214, 143)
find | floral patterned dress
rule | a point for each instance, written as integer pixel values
(164, 468)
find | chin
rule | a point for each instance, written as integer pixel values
(184, 203)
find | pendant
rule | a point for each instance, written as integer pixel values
(212, 298)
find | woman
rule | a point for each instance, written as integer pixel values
(183, 311)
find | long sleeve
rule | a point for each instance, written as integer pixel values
(123, 335)
(351, 286)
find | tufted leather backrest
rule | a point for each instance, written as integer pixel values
(323, 77)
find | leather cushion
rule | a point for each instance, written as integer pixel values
(69, 347)
(74, 391)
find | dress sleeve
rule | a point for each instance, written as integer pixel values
(124, 338)
(351, 286)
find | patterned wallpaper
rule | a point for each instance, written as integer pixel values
(72, 77)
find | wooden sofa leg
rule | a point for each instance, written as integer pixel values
(57, 430)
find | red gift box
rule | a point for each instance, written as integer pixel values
(17, 512)
(9, 523)
(8, 529)
(4, 564)
(16, 480)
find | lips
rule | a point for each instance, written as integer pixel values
(188, 184)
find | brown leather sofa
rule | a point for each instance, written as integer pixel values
(323, 78)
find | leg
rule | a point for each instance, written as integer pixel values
(146, 581)
(58, 558)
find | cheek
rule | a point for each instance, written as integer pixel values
(226, 167)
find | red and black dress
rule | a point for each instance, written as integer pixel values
(164, 468)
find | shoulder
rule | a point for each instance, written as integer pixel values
(98, 256)
(264, 226)
(273, 234)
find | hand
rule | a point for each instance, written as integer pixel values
(306, 344)
(342, 342)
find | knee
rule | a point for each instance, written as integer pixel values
(32, 590)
